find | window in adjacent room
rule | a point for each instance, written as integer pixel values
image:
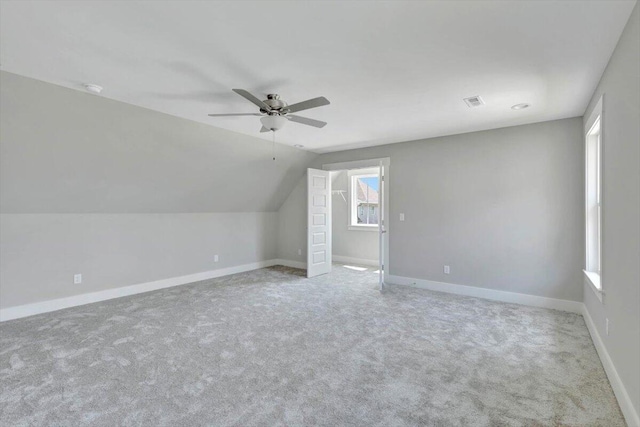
(363, 199)
(593, 198)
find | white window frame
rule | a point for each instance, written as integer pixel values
(594, 143)
(353, 175)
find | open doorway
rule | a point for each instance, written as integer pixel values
(352, 222)
(355, 198)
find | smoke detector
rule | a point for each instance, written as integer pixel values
(474, 101)
(90, 87)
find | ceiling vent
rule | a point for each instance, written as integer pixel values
(474, 101)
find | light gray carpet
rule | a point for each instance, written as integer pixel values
(270, 347)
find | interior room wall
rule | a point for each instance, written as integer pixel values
(125, 195)
(292, 225)
(40, 253)
(357, 244)
(503, 208)
(67, 151)
(620, 85)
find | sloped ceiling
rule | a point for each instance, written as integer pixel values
(64, 151)
(393, 70)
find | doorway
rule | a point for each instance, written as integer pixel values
(355, 216)
(349, 226)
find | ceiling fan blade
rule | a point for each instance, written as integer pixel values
(306, 121)
(310, 103)
(234, 114)
(264, 129)
(243, 93)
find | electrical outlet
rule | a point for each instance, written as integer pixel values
(299, 251)
(216, 258)
(77, 279)
(607, 325)
(447, 270)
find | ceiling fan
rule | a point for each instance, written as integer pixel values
(275, 112)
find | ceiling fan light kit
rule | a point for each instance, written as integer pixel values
(273, 122)
(275, 112)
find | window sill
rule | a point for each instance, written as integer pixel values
(594, 281)
(362, 228)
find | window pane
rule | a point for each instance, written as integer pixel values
(599, 237)
(367, 199)
(593, 198)
(597, 167)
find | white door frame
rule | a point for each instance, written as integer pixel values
(369, 163)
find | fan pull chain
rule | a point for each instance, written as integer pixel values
(273, 146)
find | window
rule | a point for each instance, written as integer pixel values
(593, 198)
(363, 199)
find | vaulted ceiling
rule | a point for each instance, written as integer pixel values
(393, 70)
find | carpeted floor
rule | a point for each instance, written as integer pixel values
(271, 347)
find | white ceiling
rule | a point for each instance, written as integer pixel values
(393, 71)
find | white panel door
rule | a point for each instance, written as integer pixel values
(318, 222)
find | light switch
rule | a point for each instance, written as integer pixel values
(401, 217)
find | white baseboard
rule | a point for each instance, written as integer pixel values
(357, 261)
(82, 299)
(626, 405)
(492, 294)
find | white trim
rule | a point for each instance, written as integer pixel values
(357, 164)
(596, 115)
(372, 227)
(357, 261)
(88, 298)
(492, 294)
(597, 111)
(594, 283)
(626, 405)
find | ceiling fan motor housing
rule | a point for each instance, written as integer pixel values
(277, 105)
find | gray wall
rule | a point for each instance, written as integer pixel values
(65, 151)
(620, 85)
(126, 195)
(362, 244)
(292, 224)
(40, 253)
(504, 208)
